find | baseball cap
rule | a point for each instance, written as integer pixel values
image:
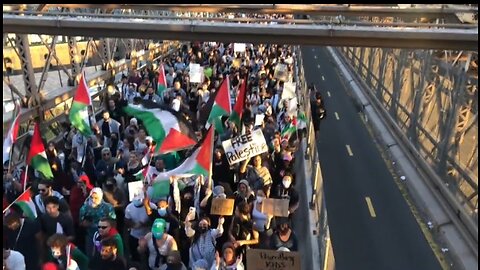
(158, 227)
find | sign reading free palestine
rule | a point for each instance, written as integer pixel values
(245, 146)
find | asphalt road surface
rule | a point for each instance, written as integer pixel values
(371, 225)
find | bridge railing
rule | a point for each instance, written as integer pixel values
(56, 108)
(313, 173)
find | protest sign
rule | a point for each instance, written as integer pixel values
(244, 146)
(237, 62)
(239, 47)
(289, 90)
(281, 72)
(196, 73)
(275, 207)
(262, 259)
(135, 189)
(222, 207)
(259, 119)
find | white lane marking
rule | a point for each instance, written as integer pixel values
(323, 78)
(318, 66)
(349, 150)
(370, 207)
(313, 50)
(328, 93)
(336, 116)
(315, 56)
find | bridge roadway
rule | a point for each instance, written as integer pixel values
(371, 224)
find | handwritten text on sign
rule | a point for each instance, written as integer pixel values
(222, 207)
(260, 259)
(275, 207)
(244, 146)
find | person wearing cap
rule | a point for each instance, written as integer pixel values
(229, 259)
(91, 212)
(284, 236)
(158, 244)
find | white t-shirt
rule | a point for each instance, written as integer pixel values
(138, 214)
(15, 261)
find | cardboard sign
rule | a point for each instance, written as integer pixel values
(222, 207)
(196, 73)
(135, 189)
(289, 90)
(237, 62)
(239, 47)
(281, 72)
(275, 207)
(244, 146)
(261, 259)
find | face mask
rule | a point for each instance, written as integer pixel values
(259, 199)
(137, 203)
(203, 230)
(162, 212)
(286, 184)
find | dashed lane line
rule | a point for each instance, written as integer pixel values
(370, 207)
(349, 150)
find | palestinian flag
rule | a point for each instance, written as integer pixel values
(12, 134)
(143, 175)
(198, 163)
(78, 115)
(301, 121)
(168, 128)
(25, 203)
(289, 129)
(236, 115)
(162, 81)
(221, 106)
(159, 189)
(37, 158)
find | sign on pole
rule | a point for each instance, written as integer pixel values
(244, 146)
(275, 207)
(135, 189)
(262, 259)
(196, 73)
(222, 207)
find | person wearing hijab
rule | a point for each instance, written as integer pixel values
(91, 212)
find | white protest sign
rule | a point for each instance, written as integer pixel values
(281, 72)
(259, 119)
(244, 146)
(239, 47)
(135, 189)
(289, 90)
(196, 73)
(292, 107)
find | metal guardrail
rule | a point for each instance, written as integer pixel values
(466, 224)
(317, 199)
(51, 128)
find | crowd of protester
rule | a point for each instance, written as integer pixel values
(85, 218)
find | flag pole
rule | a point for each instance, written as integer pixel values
(25, 179)
(10, 205)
